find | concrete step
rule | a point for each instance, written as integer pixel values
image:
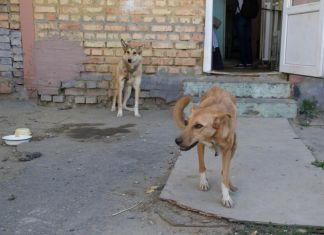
(261, 107)
(259, 86)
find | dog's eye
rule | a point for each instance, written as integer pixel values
(128, 52)
(198, 126)
(185, 122)
(134, 53)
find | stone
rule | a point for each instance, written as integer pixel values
(5, 68)
(46, 98)
(103, 84)
(79, 100)
(91, 84)
(79, 84)
(17, 50)
(15, 34)
(18, 58)
(16, 42)
(18, 65)
(91, 100)
(4, 46)
(5, 53)
(68, 84)
(58, 98)
(4, 31)
(18, 73)
(7, 61)
(4, 38)
(7, 74)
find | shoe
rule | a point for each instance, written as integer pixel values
(240, 66)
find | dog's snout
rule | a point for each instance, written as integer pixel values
(129, 60)
(178, 140)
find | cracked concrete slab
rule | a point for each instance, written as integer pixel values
(272, 169)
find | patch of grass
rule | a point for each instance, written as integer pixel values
(307, 111)
(271, 229)
(318, 164)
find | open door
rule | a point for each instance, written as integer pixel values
(302, 41)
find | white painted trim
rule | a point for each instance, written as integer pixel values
(288, 9)
(208, 37)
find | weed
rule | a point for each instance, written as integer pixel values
(318, 164)
(307, 111)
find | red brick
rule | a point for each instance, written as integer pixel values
(161, 28)
(185, 61)
(143, 28)
(162, 61)
(69, 26)
(162, 45)
(74, 91)
(96, 92)
(115, 28)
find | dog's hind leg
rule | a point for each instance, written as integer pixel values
(137, 94)
(232, 187)
(120, 94)
(226, 161)
(113, 106)
(127, 94)
(202, 169)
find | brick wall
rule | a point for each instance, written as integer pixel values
(171, 30)
(11, 65)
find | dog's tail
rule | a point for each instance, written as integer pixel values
(178, 115)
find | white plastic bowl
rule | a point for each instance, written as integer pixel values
(15, 140)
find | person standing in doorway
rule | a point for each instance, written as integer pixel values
(217, 61)
(245, 11)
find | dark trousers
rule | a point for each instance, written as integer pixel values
(243, 30)
(217, 61)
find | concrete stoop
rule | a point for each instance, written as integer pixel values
(271, 168)
(261, 95)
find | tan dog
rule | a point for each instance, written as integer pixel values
(128, 74)
(211, 123)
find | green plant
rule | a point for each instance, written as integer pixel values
(308, 107)
(308, 111)
(318, 164)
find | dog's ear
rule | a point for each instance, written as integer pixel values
(124, 44)
(193, 108)
(220, 118)
(140, 50)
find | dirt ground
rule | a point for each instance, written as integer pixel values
(98, 174)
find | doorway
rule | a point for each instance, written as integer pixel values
(265, 36)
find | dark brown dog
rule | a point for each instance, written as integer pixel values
(211, 123)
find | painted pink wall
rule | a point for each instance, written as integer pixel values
(28, 42)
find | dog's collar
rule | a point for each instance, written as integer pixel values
(131, 70)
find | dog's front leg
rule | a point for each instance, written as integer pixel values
(226, 161)
(113, 105)
(202, 169)
(137, 87)
(128, 92)
(120, 95)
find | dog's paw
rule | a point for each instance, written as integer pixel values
(113, 109)
(227, 202)
(137, 114)
(226, 199)
(204, 186)
(120, 113)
